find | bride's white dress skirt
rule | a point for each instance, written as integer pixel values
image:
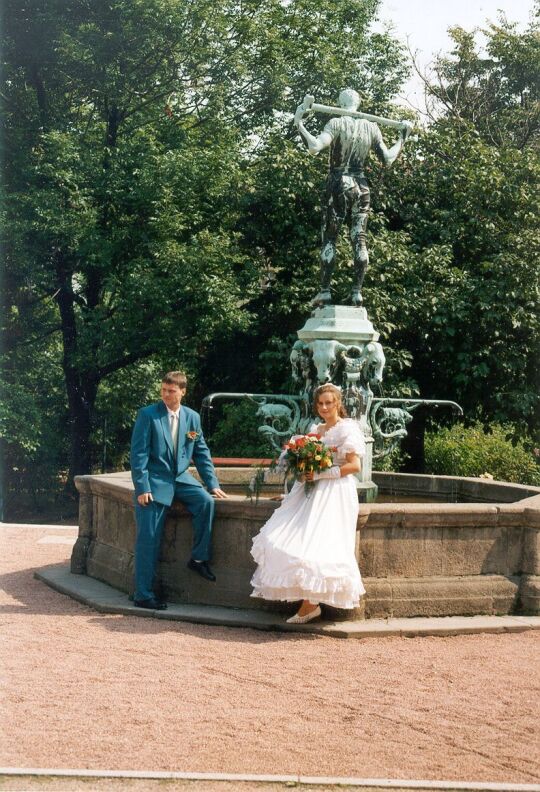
(306, 550)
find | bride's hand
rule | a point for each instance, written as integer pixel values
(308, 476)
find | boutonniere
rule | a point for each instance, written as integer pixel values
(192, 435)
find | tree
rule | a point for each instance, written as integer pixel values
(469, 189)
(127, 128)
(496, 92)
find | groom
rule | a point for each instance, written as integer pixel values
(166, 437)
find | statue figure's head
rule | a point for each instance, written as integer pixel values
(349, 98)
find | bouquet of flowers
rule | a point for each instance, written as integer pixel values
(306, 454)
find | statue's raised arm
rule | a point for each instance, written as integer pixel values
(350, 135)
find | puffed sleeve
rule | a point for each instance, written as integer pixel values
(353, 439)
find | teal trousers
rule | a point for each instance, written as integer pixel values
(150, 521)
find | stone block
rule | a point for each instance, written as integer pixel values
(474, 550)
(450, 596)
(231, 589)
(232, 544)
(343, 615)
(512, 515)
(530, 562)
(529, 595)
(450, 514)
(487, 491)
(108, 512)
(86, 505)
(110, 565)
(452, 489)
(363, 517)
(378, 598)
(79, 555)
(440, 597)
(451, 625)
(127, 528)
(366, 542)
(505, 592)
(532, 512)
(95, 521)
(400, 552)
(515, 541)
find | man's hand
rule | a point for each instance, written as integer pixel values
(406, 130)
(144, 499)
(302, 109)
(218, 493)
(298, 116)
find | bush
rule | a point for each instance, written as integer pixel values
(477, 451)
(392, 462)
(237, 433)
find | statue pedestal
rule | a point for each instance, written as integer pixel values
(343, 323)
(342, 344)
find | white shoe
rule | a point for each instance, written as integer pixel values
(296, 619)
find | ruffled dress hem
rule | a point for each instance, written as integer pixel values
(301, 583)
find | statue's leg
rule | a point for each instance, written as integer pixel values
(332, 220)
(358, 233)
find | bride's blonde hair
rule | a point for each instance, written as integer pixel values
(336, 393)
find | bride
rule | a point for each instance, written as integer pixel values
(306, 549)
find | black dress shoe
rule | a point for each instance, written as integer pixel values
(150, 604)
(202, 569)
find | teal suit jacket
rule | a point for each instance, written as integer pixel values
(154, 467)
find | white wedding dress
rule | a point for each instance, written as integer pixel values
(306, 550)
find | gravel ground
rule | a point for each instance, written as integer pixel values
(89, 690)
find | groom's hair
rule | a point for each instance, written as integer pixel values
(175, 378)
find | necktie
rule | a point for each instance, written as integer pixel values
(174, 431)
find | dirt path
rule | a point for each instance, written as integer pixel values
(86, 690)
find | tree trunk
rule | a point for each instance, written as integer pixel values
(81, 402)
(82, 377)
(81, 380)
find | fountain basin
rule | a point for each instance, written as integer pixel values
(416, 559)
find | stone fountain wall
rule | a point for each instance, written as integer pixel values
(417, 559)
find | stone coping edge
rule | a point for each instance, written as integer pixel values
(384, 783)
(106, 599)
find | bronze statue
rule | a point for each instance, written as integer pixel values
(351, 135)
